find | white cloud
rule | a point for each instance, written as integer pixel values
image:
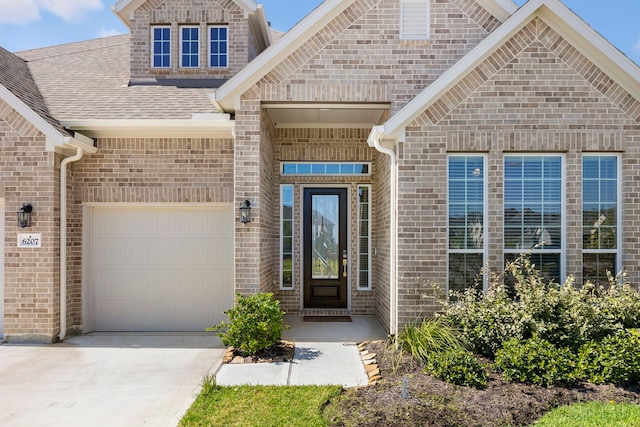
(27, 11)
(70, 10)
(103, 32)
(18, 12)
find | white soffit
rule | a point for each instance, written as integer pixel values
(354, 116)
(160, 128)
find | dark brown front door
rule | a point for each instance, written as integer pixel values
(325, 248)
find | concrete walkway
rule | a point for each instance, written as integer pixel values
(152, 379)
(105, 379)
(325, 354)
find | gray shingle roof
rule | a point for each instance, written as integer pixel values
(15, 76)
(90, 81)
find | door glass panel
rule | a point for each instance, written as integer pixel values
(325, 257)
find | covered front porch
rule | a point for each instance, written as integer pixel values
(323, 209)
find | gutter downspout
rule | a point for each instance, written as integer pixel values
(63, 239)
(374, 139)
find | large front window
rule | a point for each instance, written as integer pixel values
(533, 195)
(600, 217)
(466, 178)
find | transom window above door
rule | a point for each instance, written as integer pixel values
(325, 168)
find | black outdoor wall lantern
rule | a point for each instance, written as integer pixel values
(24, 216)
(245, 212)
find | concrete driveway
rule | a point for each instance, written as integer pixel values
(105, 379)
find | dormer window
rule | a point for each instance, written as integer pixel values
(218, 46)
(189, 47)
(161, 56)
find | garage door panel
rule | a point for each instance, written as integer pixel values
(161, 269)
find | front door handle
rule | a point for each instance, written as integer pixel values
(344, 263)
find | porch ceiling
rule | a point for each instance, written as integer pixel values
(326, 115)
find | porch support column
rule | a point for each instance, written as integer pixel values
(247, 187)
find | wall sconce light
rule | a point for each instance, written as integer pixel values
(245, 212)
(24, 216)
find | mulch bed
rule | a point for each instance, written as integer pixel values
(282, 351)
(431, 402)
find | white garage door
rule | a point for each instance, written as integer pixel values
(161, 269)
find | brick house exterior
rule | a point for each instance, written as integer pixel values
(379, 153)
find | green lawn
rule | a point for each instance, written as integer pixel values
(259, 406)
(592, 414)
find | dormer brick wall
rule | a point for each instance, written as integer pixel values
(242, 45)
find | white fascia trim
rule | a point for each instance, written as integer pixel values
(562, 20)
(228, 94)
(202, 125)
(501, 9)
(124, 10)
(248, 6)
(264, 25)
(53, 137)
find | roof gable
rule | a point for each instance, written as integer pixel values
(229, 94)
(125, 8)
(575, 40)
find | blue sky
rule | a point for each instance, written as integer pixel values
(28, 24)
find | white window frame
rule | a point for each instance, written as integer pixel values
(153, 47)
(182, 27)
(618, 250)
(413, 15)
(358, 250)
(563, 213)
(209, 41)
(282, 236)
(485, 215)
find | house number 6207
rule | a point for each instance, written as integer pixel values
(29, 240)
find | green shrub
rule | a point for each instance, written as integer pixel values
(615, 360)
(562, 314)
(536, 361)
(457, 366)
(432, 335)
(255, 323)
